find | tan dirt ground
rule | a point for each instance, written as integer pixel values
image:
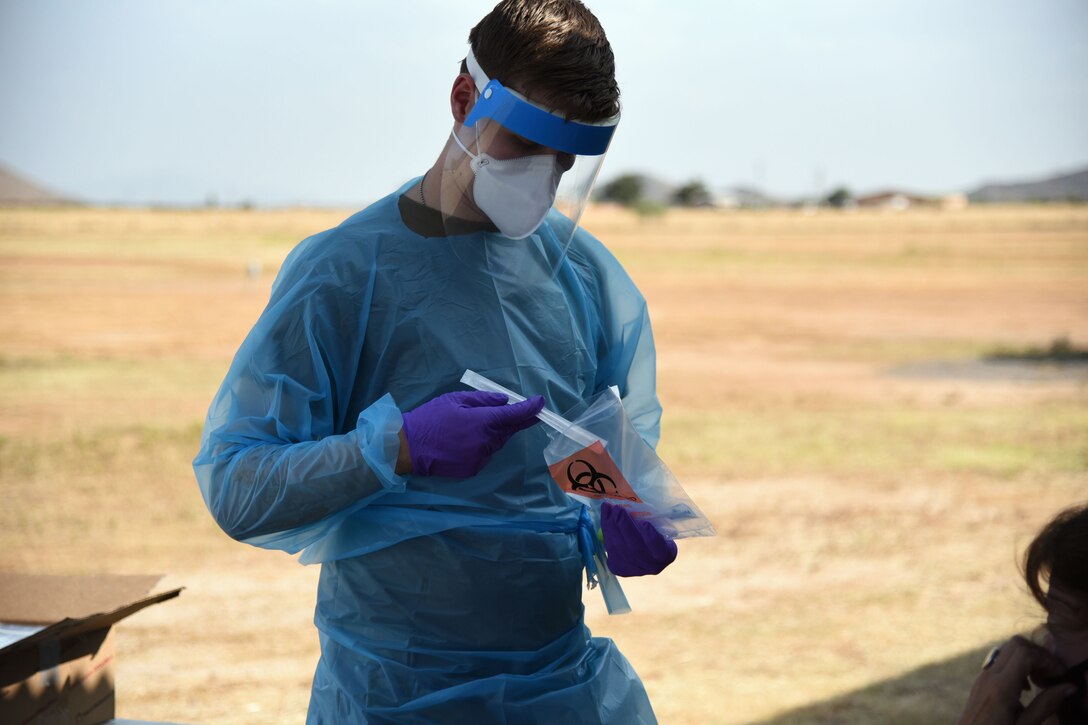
(869, 519)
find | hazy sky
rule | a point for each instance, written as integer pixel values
(336, 101)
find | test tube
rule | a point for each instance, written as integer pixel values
(576, 433)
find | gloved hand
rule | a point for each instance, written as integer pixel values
(634, 548)
(457, 433)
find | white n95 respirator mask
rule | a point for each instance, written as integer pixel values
(533, 168)
(516, 194)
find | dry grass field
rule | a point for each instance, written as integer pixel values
(828, 401)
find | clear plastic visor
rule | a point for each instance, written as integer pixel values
(526, 198)
(526, 171)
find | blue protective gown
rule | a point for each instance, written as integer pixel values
(440, 600)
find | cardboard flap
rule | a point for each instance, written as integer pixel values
(44, 599)
(84, 604)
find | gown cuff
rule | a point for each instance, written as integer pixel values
(378, 434)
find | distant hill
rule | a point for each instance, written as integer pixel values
(1068, 187)
(18, 191)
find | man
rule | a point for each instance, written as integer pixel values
(450, 585)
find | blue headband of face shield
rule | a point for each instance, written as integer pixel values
(526, 119)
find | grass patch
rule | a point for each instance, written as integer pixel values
(1060, 350)
(103, 483)
(1004, 442)
(126, 452)
(25, 377)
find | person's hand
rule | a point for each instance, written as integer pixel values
(634, 548)
(457, 433)
(995, 696)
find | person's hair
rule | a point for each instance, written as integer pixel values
(1060, 553)
(554, 49)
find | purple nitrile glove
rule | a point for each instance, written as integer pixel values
(634, 548)
(457, 433)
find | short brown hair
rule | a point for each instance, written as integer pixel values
(1060, 552)
(551, 48)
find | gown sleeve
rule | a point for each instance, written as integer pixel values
(279, 466)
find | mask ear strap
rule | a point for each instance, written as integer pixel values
(463, 147)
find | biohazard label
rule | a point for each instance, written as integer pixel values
(592, 472)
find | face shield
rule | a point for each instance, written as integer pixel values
(521, 170)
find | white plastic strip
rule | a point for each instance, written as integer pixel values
(476, 71)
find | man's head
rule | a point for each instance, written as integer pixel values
(553, 51)
(534, 110)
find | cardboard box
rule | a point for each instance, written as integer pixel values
(56, 644)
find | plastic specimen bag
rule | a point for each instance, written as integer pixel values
(599, 456)
(596, 455)
(620, 467)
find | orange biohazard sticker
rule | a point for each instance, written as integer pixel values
(592, 472)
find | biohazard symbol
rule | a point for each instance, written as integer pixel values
(584, 477)
(592, 473)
